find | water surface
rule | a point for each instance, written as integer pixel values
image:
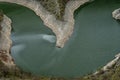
(95, 41)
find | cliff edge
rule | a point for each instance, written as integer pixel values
(5, 41)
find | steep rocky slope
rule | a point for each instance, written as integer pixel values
(5, 41)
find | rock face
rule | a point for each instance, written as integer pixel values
(110, 65)
(62, 29)
(116, 14)
(5, 42)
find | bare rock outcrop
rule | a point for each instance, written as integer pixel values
(109, 65)
(116, 14)
(5, 42)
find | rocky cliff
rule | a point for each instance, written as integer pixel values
(116, 14)
(5, 41)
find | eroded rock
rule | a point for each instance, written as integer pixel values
(5, 42)
(116, 14)
(109, 65)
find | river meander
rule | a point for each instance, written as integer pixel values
(95, 41)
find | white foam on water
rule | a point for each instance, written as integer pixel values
(18, 48)
(49, 38)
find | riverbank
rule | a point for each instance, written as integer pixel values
(5, 41)
(110, 65)
(62, 29)
(16, 74)
(89, 78)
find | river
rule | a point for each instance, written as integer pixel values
(94, 42)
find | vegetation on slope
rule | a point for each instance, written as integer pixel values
(1, 15)
(16, 74)
(112, 74)
(56, 7)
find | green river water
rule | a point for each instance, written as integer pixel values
(95, 41)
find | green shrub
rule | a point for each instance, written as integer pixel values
(56, 7)
(1, 15)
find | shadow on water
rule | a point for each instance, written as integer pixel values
(95, 40)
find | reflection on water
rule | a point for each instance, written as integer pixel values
(95, 41)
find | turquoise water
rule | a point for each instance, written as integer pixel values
(95, 41)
